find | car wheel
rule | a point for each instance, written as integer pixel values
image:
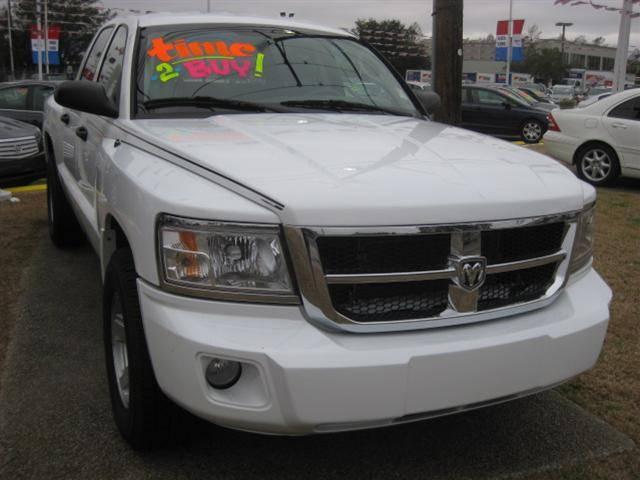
(532, 131)
(597, 164)
(64, 229)
(145, 417)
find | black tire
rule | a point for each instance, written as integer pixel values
(531, 131)
(64, 228)
(597, 164)
(148, 419)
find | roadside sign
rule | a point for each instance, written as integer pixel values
(54, 44)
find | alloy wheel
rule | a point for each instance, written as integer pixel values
(596, 165)
(532, 131)
(119, 350)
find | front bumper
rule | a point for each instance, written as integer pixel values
(13, 171)
(298, 379)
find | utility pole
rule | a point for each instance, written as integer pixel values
(447, 59)
(46, 34)
(564, 26)
(208, 6)
(39, 38)
(620, 66)
(510, 44)
(13, 71)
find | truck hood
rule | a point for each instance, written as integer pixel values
(344, 169)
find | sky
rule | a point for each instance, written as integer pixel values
(480, 16)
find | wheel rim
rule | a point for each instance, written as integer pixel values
(119, 350)
(596, 165)
(532, 131)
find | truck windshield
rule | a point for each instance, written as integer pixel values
(201, 70)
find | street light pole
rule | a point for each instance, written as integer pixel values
(39, 38)
(13, 71)
(46, 35)
(622, 53)
(208, 6)
(564, 26)
(510, 44)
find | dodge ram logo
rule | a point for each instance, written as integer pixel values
(471, 272)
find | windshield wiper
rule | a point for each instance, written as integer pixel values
(341, 105)
(210, 103)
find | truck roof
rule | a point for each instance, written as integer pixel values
(172, 18)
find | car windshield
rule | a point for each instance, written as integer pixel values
(562, 89)
(200, 70)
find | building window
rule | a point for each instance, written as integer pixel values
(593, 63)
(577, 61)
(607, 64)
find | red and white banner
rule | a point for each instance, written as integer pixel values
(53, 46)
(502, 40)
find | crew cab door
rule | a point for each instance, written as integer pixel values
(623, 124)
(72, 121)
(91, 128)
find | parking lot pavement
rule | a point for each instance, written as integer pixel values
(55, 418)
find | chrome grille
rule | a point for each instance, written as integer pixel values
(398, 278)
(19, 147)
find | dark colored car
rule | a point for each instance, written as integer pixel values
(547, 107)
(25, 100)
(495, 112)
(537, 94)
(21, 153)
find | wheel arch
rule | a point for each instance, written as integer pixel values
(114, 237)
(590, 143)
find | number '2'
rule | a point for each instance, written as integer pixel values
(166, 72)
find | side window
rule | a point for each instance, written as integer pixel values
(14, 98)
(40, 94)
(487, 97)
(629, 110)
(111, 71)
(97, 51)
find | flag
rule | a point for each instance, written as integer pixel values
(502, 40)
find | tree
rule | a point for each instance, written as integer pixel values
(545, 64)
(580, 39)
(533, 33)
(402, 45)
(599, 41)
(78, 21)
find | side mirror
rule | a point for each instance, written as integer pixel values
(85, 96)
(429, 100)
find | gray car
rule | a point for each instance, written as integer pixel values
(21, 153)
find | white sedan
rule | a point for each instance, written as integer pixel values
(602, 140)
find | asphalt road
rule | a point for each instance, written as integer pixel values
(55, 417)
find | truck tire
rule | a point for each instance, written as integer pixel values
(145, 417)
(64, 228)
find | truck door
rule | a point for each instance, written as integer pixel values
(92, 128)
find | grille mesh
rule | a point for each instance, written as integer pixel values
(510, 245)
(518, 286)
(388, 302)
(384, 254)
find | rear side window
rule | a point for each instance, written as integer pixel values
(486, 97)
(14, 98)
(629, 110)
(40, 95)
(111, 71)
(97, 51)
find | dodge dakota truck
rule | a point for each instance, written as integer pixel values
(289, 245)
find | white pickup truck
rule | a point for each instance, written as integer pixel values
(290, 246)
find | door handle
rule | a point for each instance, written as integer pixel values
(82, 133)
(65, 118)
(619, 125)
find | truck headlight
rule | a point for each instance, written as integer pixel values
(583, 245)
(224, 260)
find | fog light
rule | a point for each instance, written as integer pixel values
(223, 374)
